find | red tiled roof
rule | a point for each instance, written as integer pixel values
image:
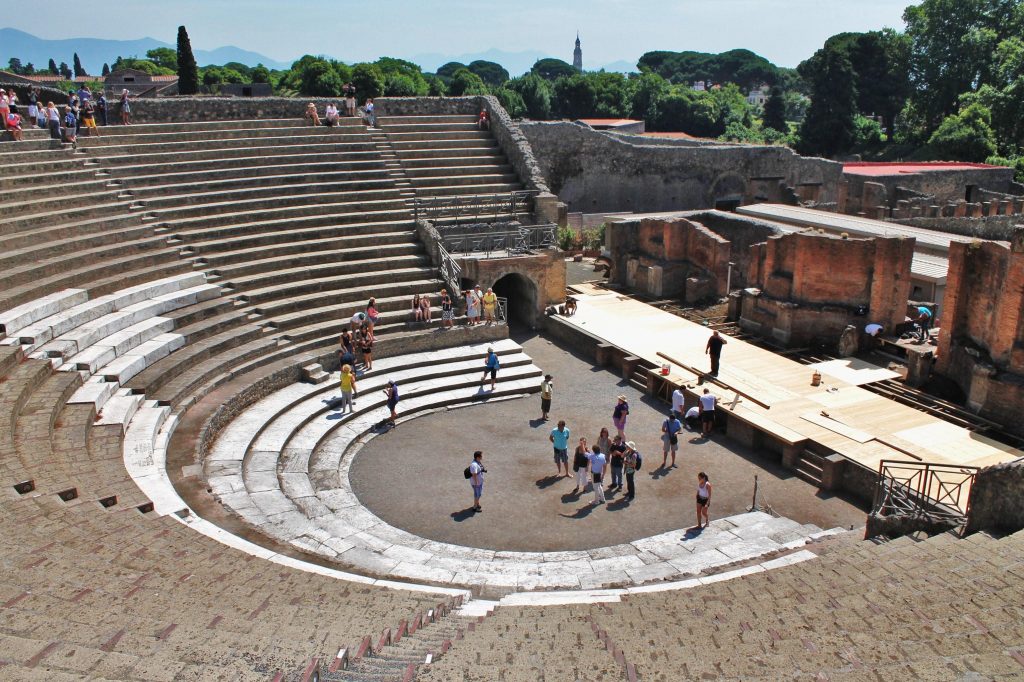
(673, 136)
(608, 122)
(882, 168)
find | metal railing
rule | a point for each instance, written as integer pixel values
(932, 492)
(502, 312)
(480, 240)
(480, 207)
(451, 272)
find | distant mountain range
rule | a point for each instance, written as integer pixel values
(95, 52)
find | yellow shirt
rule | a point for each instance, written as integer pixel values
(490, 300)
(347, 381)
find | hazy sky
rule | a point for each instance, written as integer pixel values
(784, 31)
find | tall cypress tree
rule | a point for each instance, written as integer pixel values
(79, 71)
(65, 71)
(106, 69)
(53, 67)
(775, 111)
(188, 72)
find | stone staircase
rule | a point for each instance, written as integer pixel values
(446, 157)
(94, 583)
(950, 608)
(140, 272)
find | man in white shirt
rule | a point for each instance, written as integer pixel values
(677, 403)
(692, 418)
(597, 463)
(707, 412)
(476, 478)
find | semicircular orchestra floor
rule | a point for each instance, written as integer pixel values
(395, 504)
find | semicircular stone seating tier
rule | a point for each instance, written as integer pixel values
(283, 465)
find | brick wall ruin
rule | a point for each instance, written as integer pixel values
(981, 341)
(594, 171)
(686, 257)
(953, 193)
(806, 287)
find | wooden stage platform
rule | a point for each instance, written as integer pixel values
(774, 395)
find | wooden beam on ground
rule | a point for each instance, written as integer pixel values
(714, 380)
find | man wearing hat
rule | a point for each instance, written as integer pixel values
(631, 462)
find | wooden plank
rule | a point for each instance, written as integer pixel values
(854, 371)
(837, 426)
(715, 380)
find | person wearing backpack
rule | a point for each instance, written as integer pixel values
(475, 473)
(631, 463)
(670, 429)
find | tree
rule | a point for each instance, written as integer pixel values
(490, 73)
(648, 90)
(14, 65)
(106, 69)
(512, 101)
(951, 43)
(966, 136)
(260, 74)
(881, 65)
(574, 97)
(465, 82)
(742, 67)
(828, 128)
(368, 80)
(436, 87)
(65, 71)
(319, 79)
(447, 71)
(188, 72)
(536, 94)
(552, 69)
(52, 67)
(775, 111)
(79, 71)
(163, 56)
(400, 85)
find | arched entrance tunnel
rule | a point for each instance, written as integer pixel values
(521, 293)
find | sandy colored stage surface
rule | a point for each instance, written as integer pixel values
(775, 394)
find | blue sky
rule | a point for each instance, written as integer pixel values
(784, 31)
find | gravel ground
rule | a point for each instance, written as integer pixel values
(412, 476)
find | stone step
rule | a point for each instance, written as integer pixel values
(388, 121)
(65, 320)
(219, 259)
(102, 278)
(207, 228)
(15, 319)
(283, 283)
(314, 374)
(352, 259)
(253, 235)
(134, 137)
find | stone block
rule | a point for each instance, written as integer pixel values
(832, 470)
(603, 354)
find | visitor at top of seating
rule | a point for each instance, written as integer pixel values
(126, 108)
(84, 93)
(368, 113)
(483, 121)
(13, 122)
(349, 91)
(311, 114)
(331, 115)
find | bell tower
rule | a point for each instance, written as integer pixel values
(577, 55)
